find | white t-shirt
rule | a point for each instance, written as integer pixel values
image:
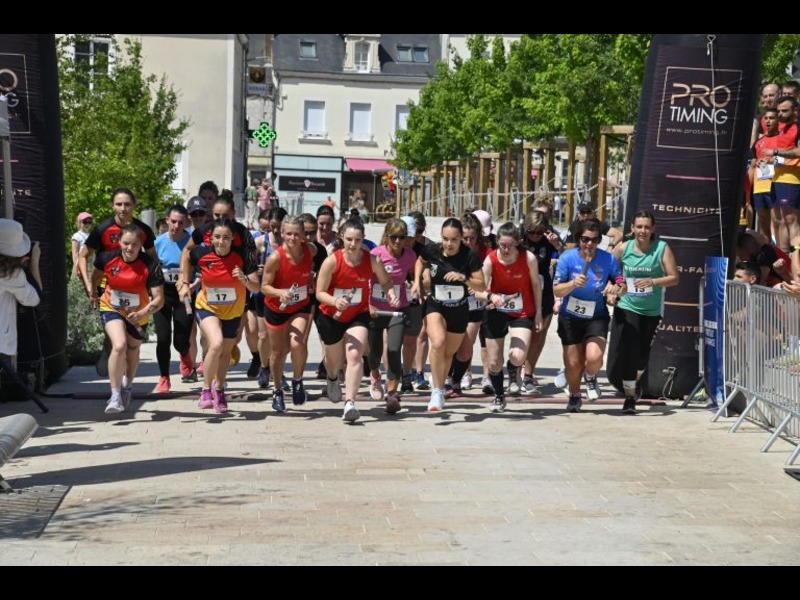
(80, 237)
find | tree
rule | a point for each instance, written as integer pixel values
(119, 128)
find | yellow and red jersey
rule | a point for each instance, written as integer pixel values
(128, 283)
(221, 293)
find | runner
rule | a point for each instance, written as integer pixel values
(134, 290)
(288, 275)
(343, 289)
(226, 271)
(514, 305)
(586, 277)
(454, 269)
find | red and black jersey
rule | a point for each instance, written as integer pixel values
(221, 293)
(106, 237)
(128, 283)
(242, 238)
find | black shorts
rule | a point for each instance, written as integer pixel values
(476, 316)
(332, 331)
(230, 327)
(576, 331)
(455, 317)
(277, 320)
(413, 320)
(548, 301)
(108, 315)
(255, 303)
(498, 323)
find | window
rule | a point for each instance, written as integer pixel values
(92, 52)
(412, 54)
(400, 117)
(308, 50)
(362, 57)
(314, 119)
(361, 122)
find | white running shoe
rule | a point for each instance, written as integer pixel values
(436, 403)
(498, 404)
(375, 388)
(466, 381)
(350, 414)
(592, 389)
(114, 405)
(333, 391)
(561, 378)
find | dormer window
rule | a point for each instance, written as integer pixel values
(362, 57)
(308, 49)
(361, 53)
(418, 54)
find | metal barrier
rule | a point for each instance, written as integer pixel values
(762, 360)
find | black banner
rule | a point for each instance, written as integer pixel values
(29, 79)
(695, 117)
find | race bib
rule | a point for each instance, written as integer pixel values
(124, 300)
(343, 293)
(298, 295)
(765, 171)
(377, 292)
(475, 304)
(580, 308)
(218, 296)
(448, 293)
(172, 275)
(513, 303)
(637, 291)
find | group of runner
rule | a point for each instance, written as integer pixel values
(371, 303)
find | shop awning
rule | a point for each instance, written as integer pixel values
(369, 165)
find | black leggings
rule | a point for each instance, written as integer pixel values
(633, 338)
(395, 327)
(173, 311)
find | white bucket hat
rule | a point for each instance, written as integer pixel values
(13, 241)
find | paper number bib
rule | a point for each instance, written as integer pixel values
(449, 293)
(172, 275)
(377, 292)
(342, 293)
(124, 300)
(581, 308)
(220, 295)
(475, 304)
(637, 291)
(513, 303)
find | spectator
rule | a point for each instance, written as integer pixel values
(251, 202)
(586, 210)
(773, 262)
(747, 272)
(161, 226)
(84, 222)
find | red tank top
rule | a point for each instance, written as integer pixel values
(346, 278)
(287, 275)
(514, 282)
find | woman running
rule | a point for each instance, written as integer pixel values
(649, 266)
(286, 286)
(461, 368)
(227, 271)
(173, 323)
(343, 291)
(398, 259)
(134, 290)
(514, 297)
(586, 278)
(454, 270)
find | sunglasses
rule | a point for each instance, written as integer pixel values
(87, 221)
(587, 240)
(312, 232)
(198, 213)
(535, 232)
(398, 238)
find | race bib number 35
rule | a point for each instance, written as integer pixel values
(124, 300)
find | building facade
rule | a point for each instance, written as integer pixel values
(339, 99)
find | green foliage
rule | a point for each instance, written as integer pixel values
(120, 131)
(780, 50)
(84, 330)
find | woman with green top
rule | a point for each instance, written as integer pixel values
(648, 266)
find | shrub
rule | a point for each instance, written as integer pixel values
(84, 329)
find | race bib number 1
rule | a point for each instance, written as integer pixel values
(377, 292)
(449, 293)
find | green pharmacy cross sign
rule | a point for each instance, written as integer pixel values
(264, 135)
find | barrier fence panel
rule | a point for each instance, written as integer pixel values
(762, 359)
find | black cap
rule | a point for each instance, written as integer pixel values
(196, 203)
(585, 207)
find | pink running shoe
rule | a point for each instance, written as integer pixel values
(206, 400)
(220, 403)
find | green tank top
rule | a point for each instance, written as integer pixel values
(644, 301)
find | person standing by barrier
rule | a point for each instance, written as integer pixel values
(173, 322)
(454, 270)
(649, 267)
(343, 289)
(514, 300)
(78, 241)
(227, 270)
(398, 259)
(133, 292)
(586, 278)
(285, 285)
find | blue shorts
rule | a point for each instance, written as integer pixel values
(230, 327)
(786, 195)
(763, 201)
(107, 316)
